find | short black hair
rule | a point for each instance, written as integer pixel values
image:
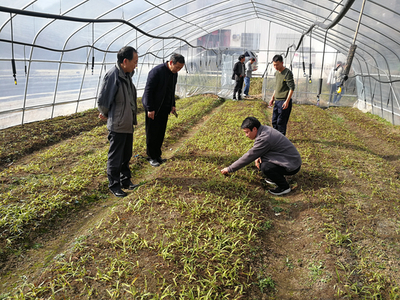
(252, 59)
(177, 58)
(125, 52)
(277, 58)
(250, 123)
(241, 57)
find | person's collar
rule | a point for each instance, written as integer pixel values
(259, 130)
(167, 66)
(121, 71)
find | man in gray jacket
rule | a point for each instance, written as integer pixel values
(117, 104)
(273, 154)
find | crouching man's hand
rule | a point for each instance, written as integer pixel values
(258, 162)
(224, 171)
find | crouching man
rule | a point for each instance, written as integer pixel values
(273, 154)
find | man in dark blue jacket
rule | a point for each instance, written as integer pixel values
(117, 105)
(159, 101)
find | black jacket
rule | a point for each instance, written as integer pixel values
(156, 90)
(237, 70)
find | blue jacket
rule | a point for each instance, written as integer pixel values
(157, 88)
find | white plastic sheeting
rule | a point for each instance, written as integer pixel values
(53, 57)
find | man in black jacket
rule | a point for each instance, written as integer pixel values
(159, 101)
(238, 76)
(117, 105)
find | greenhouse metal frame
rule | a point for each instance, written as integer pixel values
(53, 54)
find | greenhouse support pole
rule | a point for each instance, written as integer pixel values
(359, 21)
(309, 62)
(92, 48)
(393, 98)
(14, 69)
(322, 69)
(372, 101)
(352, 50)
(267, 60)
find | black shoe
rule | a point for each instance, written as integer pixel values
(129, 185)
(161, 160)
(118, 192)
(240, 98)
(154, 162)
(234, 98)
(280, 191)
(269, 181)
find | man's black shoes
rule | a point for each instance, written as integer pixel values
(154, 162)
(129, 185)
(269, 181)
(161, 160)
(118, 192)
(279, 191)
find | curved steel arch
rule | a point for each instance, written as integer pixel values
(31, 53)
(194, 21)
(9, 20)
(62, 54)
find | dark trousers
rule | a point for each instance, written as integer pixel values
(155, 132)
(276, 174)
(119, 155)
(238, 87)
(280, 116)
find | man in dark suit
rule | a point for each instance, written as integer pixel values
(238, 76)
(159, 101)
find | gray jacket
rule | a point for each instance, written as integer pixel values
(117, 100)
(249, 69)
(272, 146)
(338, 74)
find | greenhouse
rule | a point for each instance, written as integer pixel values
(185, 229)
(54, 53)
